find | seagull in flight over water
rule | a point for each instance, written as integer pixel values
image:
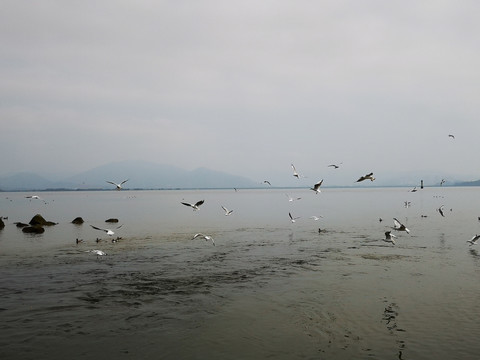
(292, 219)
(97, 252)
(108, 231)
(206, 237)
(399, 226)
(227, 212)
(316, 187)
(194, 206)
(389, 237)
(118, 186)
(451, 136)
(366, 177)
(440, 210)
(295, 173)
(291, 199)
(473, 240)
(335, 166)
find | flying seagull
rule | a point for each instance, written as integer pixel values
(33, 197)
(399, 226)
(194, 206)
(442, 182)
(206, 237)
(295, 173)
(451, 136)
(473, 240)
(108, 231)
(267, 182)
(118, 186)
(292, 199)
(389, 237)
(316, 217)
(292, 219)
(366, 177)
(414, 189)
(227, 212)
(335, 166)
(440, 210)
(316, 187)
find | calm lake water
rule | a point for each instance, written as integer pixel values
(270, 288)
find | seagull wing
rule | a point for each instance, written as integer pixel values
(198, 203)
(187, 204)
(397, 223)
(96, 228)
(124, 181)
(111, 182)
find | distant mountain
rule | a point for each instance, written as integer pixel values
(468, 183)
(141, 175)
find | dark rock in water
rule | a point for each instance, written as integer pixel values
(112, 220)
(2, 224)
(77, 221)
(40, 221)
(21, 225)
(36, 229)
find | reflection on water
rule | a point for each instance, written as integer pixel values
(270, 288)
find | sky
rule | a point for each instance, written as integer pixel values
(244, 87)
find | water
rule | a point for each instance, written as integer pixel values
(268, 289)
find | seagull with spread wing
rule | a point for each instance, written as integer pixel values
(194, 206)
(118, 186)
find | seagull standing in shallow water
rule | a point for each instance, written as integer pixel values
(194, 206)
(206, 237)
(118, 186)
(399, 226)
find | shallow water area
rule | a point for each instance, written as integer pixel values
(269, 288)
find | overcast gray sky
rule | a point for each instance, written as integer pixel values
(245, 87)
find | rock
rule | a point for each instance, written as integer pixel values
(21, 225)
(112, 220)
(40, 221)
(36, 229)
(77, 221)
(2, 224)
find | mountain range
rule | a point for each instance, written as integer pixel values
(140, 175)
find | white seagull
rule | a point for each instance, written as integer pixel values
(295, 173)
(206, 237)
(316, 217)
(335, 166)
(366, 177)
(118, 186)
(108, 231)
(451, 136)
(97, 252)
(316, 187)
(389, 237)
(440, 210)
(33, 197)
(194, 206)
(292, 219)
(292, 199)
(473, 240)
(227, 212)
(399, 226)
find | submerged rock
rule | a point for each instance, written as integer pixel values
(21, 225)
(2, 224)
(77, 221)
(112, 220)
(36, 229)
(40, 221)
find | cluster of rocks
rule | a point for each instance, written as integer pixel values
(36, 225)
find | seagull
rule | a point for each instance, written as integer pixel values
(292, 199)
(292, 219)
(206, 237)
(473, 240)
(194, 206)
(335, 166)
(366, 177)
(316, 187)
(399, 226)
(119, 186)
(440, 210)
(316, 217)
(267, 182)
(442, 182)
(389, 237)
(414, 189)
(295, 173)
(33, 197)
(451, 136)
(97, 252)
(227, 212)
(108, 231)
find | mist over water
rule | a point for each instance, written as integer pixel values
(269, 288)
